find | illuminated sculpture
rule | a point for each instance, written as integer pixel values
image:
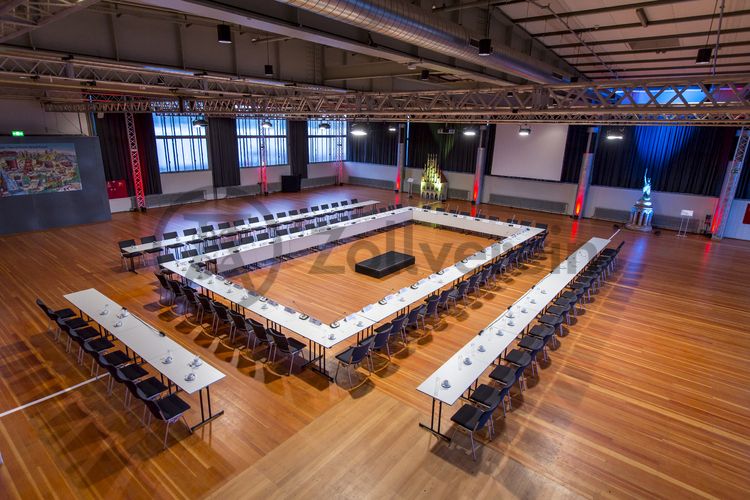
(434, 185)
(642, 211)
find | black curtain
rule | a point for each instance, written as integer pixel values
(456, 152)
(144, 132)
(223, 152)
(379, 146)
(678, 159)
(575, 147)
(297, 147)
(113, 140)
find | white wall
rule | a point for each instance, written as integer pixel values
(735, 228)
(536, 156)
(664, 203)
(29, 116)
(370, 171)
(315, 170)
(527, 188)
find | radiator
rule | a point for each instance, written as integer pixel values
(611, 214)
(458, 194)
(237, 191)
(376, 183)
(319, 181)
(164, 200)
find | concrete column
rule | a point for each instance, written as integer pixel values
(400, 158)
(476, 192)
(729, 187)
(584, 178)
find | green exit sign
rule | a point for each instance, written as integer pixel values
(17, 133)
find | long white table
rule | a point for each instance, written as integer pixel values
(322, 336)
(151, 345)
(260, 225)
(455, 376)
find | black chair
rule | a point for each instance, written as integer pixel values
(190, 253)
(353, 356)
(286, 345)
(224, 225)
(246, 240)
(211, 248)
(521, 359)
(177, 293)
(415, 316)
(489, 397)
(544, 332)
(261, 236)
(128, 256)
(526, 223)
(504, 375)
(204, 305)
(315, 208)
(541, 225)
(304, 210)
(280, 215)
(239, 324)
(53, 315)
(192, 233)
(209, 228)
(293, 212)
(472, 419)
(353, 201)
(163, 259)
(168, 409)
(378, 342)
(253, 220)
(150, 239)
(226, 245)
(144, 390)
(174, 247)
(221, 316)
(260, 335)
(552, 320)
(459, 293)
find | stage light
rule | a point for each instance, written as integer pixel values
(485, 47)
(224, 33)
(392, 128)
(424, 75)
(704, 55)
(470, 132)
(268, 69)
(200, 122)
(324, 126)
(358, 130)
(411, 66)
(615, 134)
(524, 131)
(266, 125)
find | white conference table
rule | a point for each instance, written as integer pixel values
(451, 380)
(322, 336)
(260, 225)
(152, 346)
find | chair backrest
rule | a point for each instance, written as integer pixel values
(220, 310)
(295, 229)
(303, 210)
(293, 212)
(191, 252)
(335, 204)
(321, 223)
(282, 232)
(444, 296)
(189, 293)
(163, 259)
(261, 236)
(509, 221)
(354, 200)
(253, 220)
(239, 320)
(190, 232)
(153, 407)
(483, 418)
(432, 305)
(397, 323)
(227, 244)
(260, 331)
(47, 311)
(526, 223)
(279, 215)
(279, 340)
(169, 235)
(205, 302)
(207, 228)
(413, 315)
(239, 222)
(125, 243)
(211, 248)
(344, 203)
(360, 352)
(379, 340)
(245, 240)
(324, 206)
(148, 239)
(162, 280)
(314, 208)
(309, 226)
(224, 225)
(175, 286)
(462, 287)
(494, 218)
(541, 225)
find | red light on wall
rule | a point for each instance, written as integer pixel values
(579, 204)
(476, 191)
(398, 182)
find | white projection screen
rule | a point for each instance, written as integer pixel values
(536, 156)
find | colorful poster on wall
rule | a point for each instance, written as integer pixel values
(38, 168)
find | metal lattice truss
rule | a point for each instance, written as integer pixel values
(135, 161)
(21, 16)
(84, 84)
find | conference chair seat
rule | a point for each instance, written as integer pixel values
(504, 374)
(467, 416)
(149, 388)
(116, 358)
(77, 323)
(542, 330)
(99, 344)
(172, 406)
(85, 333)
(487, 396)
(133, 372)
(65, 313)
(531, 343)
(519, 357)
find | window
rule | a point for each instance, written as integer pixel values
(249, 132)
(180, 147)
(323, 144)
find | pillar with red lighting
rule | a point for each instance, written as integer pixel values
(400, 157)
(729, 187)
(476, 190)
(584, 178)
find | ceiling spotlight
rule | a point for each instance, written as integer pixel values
(411, 66)
(224, 33)
(324, 126)
(268, 70)
(615, 134)
(704, 56)
(358, 130)
(200, 122)
(424, 75)
(524, 131)
(391, 127)
(266, 125)
(485, 47)
(470, 132)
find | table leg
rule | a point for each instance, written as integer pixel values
(211, 415)
(432, 428)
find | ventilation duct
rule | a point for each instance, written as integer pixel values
(413, 25)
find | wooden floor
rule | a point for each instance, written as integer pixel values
(648, 394)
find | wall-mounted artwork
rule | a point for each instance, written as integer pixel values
(38, 168)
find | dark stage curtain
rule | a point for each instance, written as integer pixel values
(223, 152)
(113, 140)
(575, 146)
(297, 147)
(144, 132)
(678, 159)
(379, 146)
(456, 153)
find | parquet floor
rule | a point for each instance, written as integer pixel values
(647, 396)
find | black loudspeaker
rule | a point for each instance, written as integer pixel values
(291, 183)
